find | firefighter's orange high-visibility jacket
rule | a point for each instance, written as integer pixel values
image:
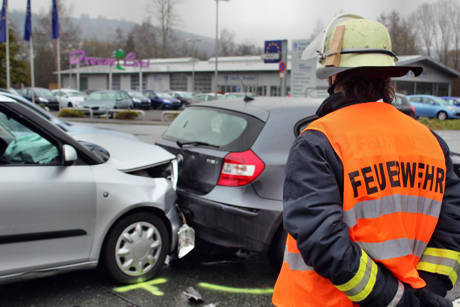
(368, 191)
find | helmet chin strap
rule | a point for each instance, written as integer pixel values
(330, 90)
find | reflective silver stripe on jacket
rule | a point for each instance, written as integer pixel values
(295, 261)
(391, 204)
(441, 261)
(394, 302)
(393, 248)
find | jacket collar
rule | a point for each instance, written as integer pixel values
(334, 102)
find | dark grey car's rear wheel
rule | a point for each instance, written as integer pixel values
(135, 248)
(442, 115)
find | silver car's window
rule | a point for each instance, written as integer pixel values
(21, 145)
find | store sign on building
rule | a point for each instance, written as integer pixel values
(303, 72)
(119, 60)
(272, 51)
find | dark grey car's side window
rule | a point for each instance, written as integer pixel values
(20, 145)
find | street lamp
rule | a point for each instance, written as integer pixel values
(217, 43)
(193, 41)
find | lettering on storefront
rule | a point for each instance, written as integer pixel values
(80, 57)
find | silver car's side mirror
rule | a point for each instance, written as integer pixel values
(70, 154)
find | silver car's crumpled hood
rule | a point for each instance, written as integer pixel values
(128, 155)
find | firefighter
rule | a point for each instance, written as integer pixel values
(371, 201)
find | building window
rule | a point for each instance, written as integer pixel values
(135, 82)
(83, 83)
(275, 91)
(178, 82)
(441, 89)
(203, 83)
(424, 88)
(405, 87)
(115, 82)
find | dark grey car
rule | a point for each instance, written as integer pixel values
(233, 158)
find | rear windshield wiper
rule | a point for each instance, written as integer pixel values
(194, 143)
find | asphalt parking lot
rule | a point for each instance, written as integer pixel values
(223, 279)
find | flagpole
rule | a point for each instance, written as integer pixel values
(8, 80)
(32, 78)
(55, 35)
(58, 47)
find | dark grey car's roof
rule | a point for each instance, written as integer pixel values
(262, 107)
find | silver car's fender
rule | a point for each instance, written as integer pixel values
(119, 193)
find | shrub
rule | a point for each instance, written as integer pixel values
(436, 124)
(126, 115)
(71, 113)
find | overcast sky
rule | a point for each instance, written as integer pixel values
(253, 20)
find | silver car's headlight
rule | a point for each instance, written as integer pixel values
(174, 173)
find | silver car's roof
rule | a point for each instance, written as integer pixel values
(5, 98)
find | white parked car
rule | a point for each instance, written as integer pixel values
(69, 98)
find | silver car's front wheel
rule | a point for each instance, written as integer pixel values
(136, 247)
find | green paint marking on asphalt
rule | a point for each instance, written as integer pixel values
(147, 286)
(235, 290)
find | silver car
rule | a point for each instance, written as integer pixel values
(70, 205)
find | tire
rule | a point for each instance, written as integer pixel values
(144, 230)
(276, 249)
(441, 115)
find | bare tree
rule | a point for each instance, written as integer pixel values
(97, 48)
(164, 10)
(226, 42)
(401, 32)
(45, 61)
(443, 29)
(143, 37)
(424, 21)
(248, 48)
(454, 19)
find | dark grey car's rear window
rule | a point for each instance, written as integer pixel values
(230, 131)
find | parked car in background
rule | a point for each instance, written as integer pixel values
(169, 102)
(433, 107)
(140, 101)
(70, 205)
(162, 100)
(41, 96)
(185, 98)
(231, 178)
(10, 90)
(103, 101)
(452, 100)
(69, 97)
(155, 101)
(77, 131)
(401, 102)
(203, 97)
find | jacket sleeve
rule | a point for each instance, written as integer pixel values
(440, 263)
(312, 214)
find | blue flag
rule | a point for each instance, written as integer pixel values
(54, 21)
(3, 21)
(28, 24)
